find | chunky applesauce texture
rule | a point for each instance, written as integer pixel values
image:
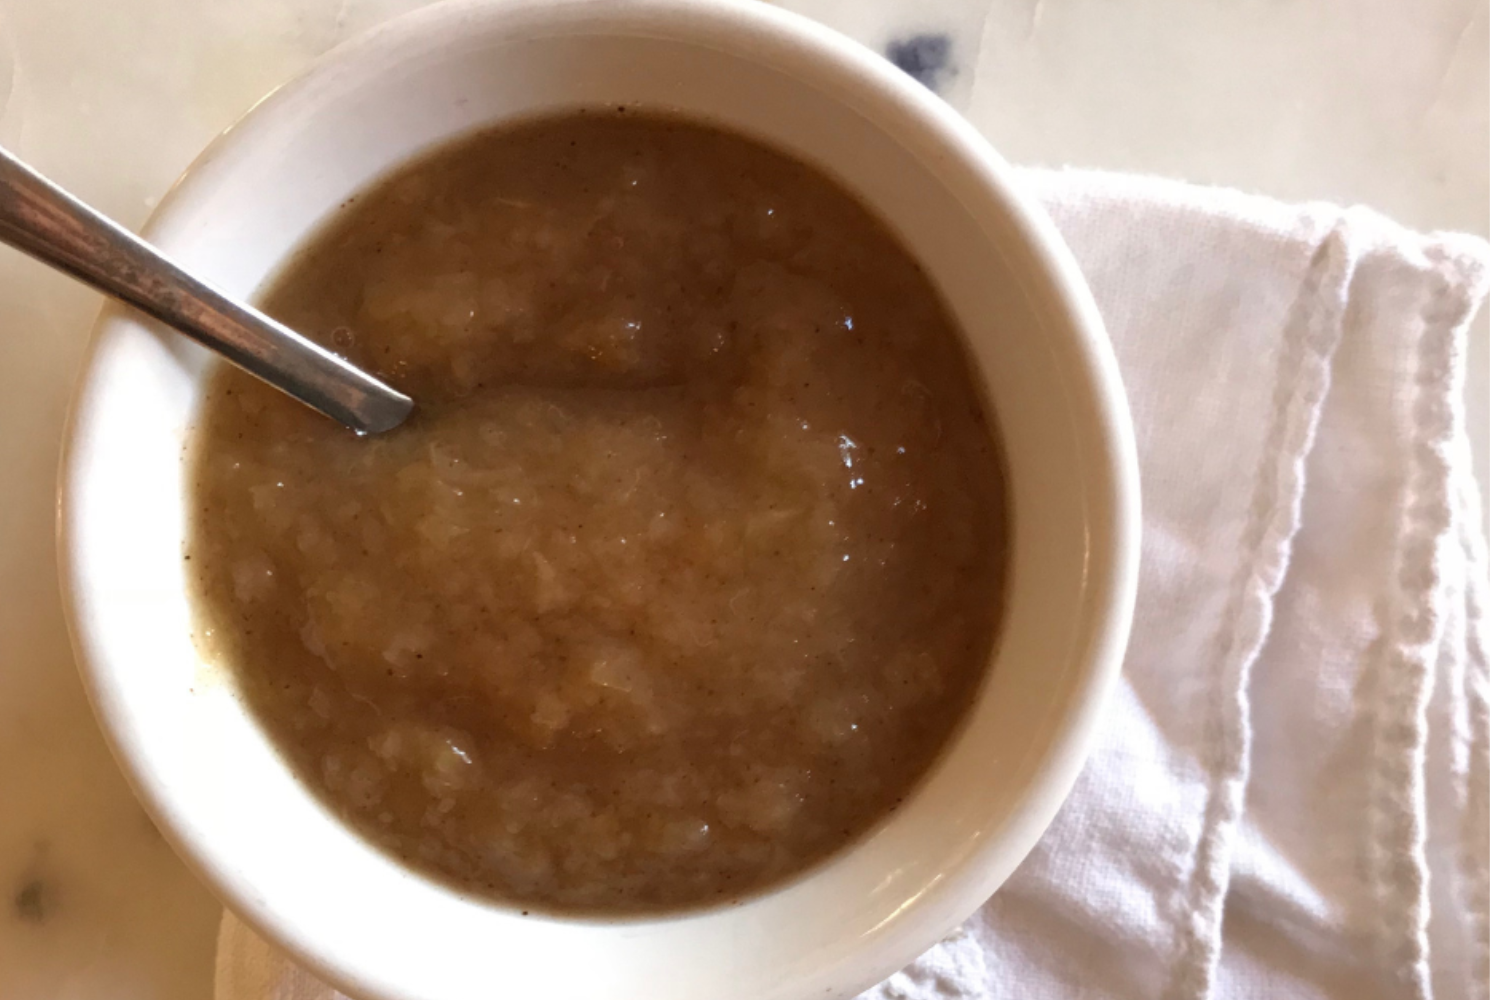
(688, 562)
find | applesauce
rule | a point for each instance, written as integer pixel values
(689, 560)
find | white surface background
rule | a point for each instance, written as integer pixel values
(1377, 101)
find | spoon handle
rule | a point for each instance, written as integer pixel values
(43, 220)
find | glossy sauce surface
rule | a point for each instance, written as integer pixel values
(687, 564)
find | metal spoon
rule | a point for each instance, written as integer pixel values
(43, 220)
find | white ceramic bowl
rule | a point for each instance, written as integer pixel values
(216, 786)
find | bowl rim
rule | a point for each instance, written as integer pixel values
(1113, 560)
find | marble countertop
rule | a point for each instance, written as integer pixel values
(1383, 102)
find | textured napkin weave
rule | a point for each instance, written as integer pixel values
(1290, 796)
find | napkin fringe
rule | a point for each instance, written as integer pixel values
(1310, 336)
(1406, 654)
(1473, 780)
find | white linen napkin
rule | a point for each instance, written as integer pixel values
(1290, 797)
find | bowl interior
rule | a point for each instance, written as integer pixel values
(208, 774)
